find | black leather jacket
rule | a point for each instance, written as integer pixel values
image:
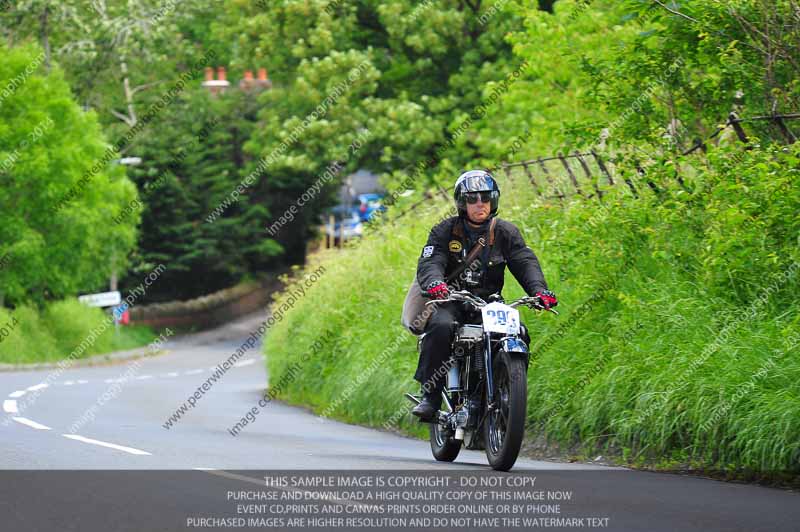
(448, 246)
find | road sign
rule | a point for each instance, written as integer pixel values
(119, 313)
(104, 299)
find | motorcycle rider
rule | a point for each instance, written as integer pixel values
(476, 195)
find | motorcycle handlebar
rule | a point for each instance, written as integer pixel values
(467, 297)
(533, 302)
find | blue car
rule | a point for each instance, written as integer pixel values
(368, 204)
(346, 224)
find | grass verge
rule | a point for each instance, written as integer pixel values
(61, 329)
(678, 340)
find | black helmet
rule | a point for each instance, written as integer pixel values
(475, 181)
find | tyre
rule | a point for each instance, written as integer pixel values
(444, 447)
(504, 426)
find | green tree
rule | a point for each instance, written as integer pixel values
(115, 53)
(190, 164)
(51, 151)
(395, 77)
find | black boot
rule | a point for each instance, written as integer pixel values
(428, 408)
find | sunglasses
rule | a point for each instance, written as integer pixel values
(472, 197)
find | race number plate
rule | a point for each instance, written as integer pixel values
(500, 318)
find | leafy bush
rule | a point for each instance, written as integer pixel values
(70, 322)
(29, 340)
(59, 189)
(60, 330)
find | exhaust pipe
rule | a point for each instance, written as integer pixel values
(412, 398)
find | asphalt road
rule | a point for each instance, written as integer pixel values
(92, 419)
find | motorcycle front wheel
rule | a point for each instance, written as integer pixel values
(504, 425)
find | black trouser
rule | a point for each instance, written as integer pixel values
(435, 351)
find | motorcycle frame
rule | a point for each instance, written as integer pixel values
(512, 345)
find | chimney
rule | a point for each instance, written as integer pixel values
(263, 81)
(247, 82)
(215, 86)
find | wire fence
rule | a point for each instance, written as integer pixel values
(586, 173)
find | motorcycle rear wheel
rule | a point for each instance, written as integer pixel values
(444, 446)
(504, 426)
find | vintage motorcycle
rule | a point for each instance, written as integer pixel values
(486, 389)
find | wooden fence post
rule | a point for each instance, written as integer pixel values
(550, 179)
(734, 120)
(588, 173)
(602, 166)
(531, 179)
(680, 180)
(643, 175)
(507, 170)
(571, 175)
(630, 184)
(787, 133)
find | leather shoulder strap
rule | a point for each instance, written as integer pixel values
(491, 231)
(473, 253)
(476, 249)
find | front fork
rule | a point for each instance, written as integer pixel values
(510, 344)
(487, 361)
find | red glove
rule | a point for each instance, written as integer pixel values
(547, 298)
(438, 290)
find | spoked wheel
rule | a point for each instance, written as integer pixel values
(444, 447)
(504, 426)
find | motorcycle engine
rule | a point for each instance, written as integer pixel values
(468, 340)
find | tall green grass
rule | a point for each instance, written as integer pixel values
(58, 330)
(665, 328)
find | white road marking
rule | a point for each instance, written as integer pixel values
(37, 387)
(69, 383)
(10, 406)
(245, 363)
(18, 393)
(83, 382)
(172, 374)
(130, 450)
(143, 377)
(32, 424)
(194, 372)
